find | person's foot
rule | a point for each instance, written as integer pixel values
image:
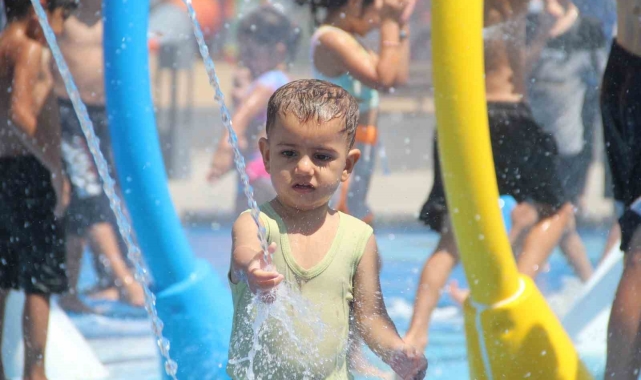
(36, 374)
(458, 295)
(71, 303)
(107, 294)
(35, 377)
(132, 293)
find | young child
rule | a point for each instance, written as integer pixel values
(89, 218)
(32, 252)
(338, 57)
(330, 258)
(268, 42)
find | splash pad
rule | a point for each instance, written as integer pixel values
(179, 276)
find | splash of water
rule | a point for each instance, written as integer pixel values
(133, 251)
(226, 116)
(270, 329)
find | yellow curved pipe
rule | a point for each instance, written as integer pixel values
(511, 331)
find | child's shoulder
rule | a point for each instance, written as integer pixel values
(19, 48)
(355, 225)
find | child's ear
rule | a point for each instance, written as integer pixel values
(352, 158)
(263, 145)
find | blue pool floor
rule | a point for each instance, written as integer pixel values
(403, 253)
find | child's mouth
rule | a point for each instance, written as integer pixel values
(303, 187)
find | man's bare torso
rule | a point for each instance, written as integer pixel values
(504, 46)
(629, 25)
(81, 45)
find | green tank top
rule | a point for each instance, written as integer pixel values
(321, 329)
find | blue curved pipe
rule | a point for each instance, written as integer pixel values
(194, 304)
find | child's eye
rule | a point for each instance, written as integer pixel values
(323, 157)
(288, 153)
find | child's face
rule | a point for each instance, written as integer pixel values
(307, 161)
(260, 58)
(57, 19)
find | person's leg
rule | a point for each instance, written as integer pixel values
(69, 301)
(624, 332)
(435, 273)
(524, 217)
(614, 236)
(3, 301)
(542, 239)
(35, 326)
(572, 247)
(103, 241)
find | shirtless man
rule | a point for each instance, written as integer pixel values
(621, 110)
(524, 158)
(89, 217)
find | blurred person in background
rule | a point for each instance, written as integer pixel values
(340, 58)
(90, 219)
(621, 110)
(568, 70)
(268, 42)
(33, 191)
(524, 158)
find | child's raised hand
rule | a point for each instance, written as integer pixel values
(261, 277)
(407, 12)
(409, 363)
(393, 9)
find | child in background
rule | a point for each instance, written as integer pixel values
(268, 42)
(32, 187)
(338, 57)
(330, 258)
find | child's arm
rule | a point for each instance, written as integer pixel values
(247, 257)
(25, 102)
(403, 74)
(254, 103)
(374, 71)
(373, 323)
(44, 84)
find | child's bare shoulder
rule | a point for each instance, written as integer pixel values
(244, 222)
(19, 50)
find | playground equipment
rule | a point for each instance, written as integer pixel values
(68, 356)
(511, 331)
(192, 301)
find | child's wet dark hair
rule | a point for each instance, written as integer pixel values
(329, 5)
(312, 99)
(17, 9)
(269, 26)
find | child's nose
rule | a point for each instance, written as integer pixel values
(305, 166)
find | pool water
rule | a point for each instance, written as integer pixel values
(403, 253)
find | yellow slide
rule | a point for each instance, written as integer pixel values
(511, 331)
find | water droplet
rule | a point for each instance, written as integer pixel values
(171, 367)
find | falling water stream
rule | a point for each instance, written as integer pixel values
(226, 116)
(133, 251)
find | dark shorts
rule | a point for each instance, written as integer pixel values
(89, 203)
(621, 110)
(525, 160)
(32, 240)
